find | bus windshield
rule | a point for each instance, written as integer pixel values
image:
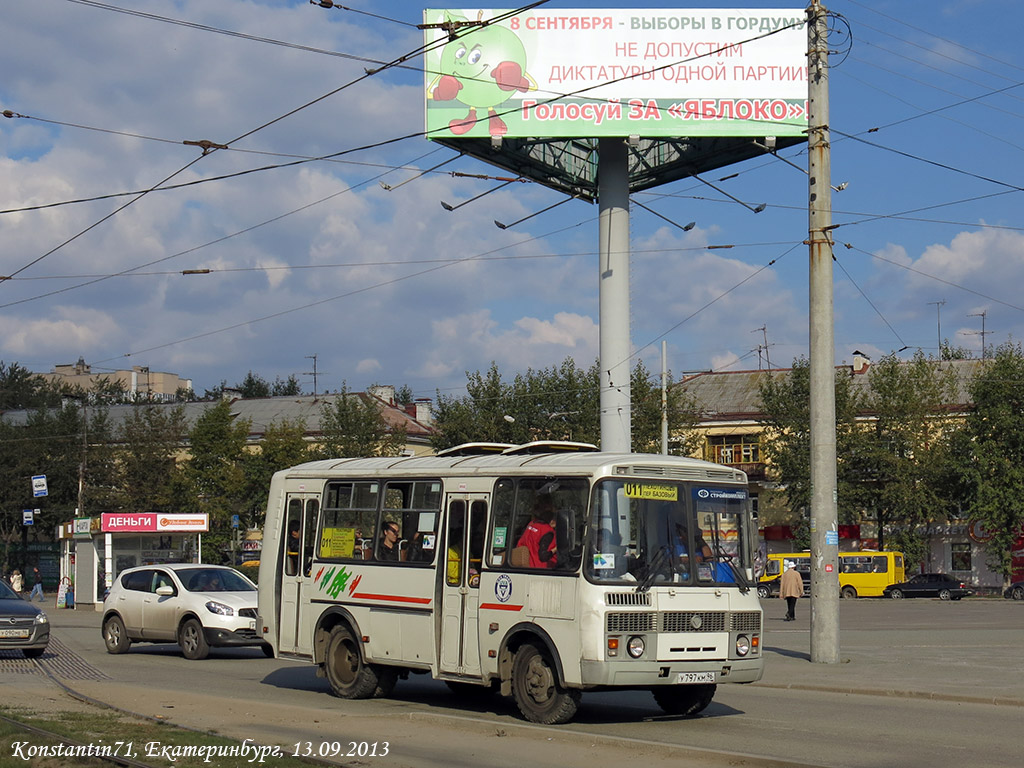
(645, 533)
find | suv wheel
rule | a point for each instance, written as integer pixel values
(193, 641)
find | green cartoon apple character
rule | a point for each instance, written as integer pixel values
(481, 69)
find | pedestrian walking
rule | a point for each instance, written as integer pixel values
(791, 587)
(37, 586)
(17, 583)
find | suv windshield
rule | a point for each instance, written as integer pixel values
(214, 580)
(646, 533)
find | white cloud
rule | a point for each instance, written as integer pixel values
(73, 329)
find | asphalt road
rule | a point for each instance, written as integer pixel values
(922, 683)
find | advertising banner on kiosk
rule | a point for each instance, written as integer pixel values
(668, 73)
(151, 522)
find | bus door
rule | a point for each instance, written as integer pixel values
(460, 584)
(296, 563)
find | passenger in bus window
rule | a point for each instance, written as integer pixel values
(454, 565)
(293, 548)
(539, 536)
(389, 537)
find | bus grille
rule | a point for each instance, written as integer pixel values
(746, 621)
(627, 598)
(693, 621)
(683, 621)
(632, 622)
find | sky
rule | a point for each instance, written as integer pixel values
(387, 287)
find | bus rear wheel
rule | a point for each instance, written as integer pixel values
(536, 690)
(349, 676)
(685, 700)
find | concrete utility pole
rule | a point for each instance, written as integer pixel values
(938, 323)
(824, 515)
(613, 252)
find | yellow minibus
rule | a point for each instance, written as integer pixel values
(864, 573)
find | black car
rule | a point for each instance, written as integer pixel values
(1015, 591)
(22, 626)
(940, 585)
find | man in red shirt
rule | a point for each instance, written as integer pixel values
(539, 536)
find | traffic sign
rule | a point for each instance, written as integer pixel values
(39, 486)
(27, 517)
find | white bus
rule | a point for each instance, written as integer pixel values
(603, 595)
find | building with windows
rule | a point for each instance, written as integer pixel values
(732, 425)
(139, 383)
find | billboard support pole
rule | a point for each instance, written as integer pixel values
(613, 276)
(824, 506)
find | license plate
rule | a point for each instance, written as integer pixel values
(21, 633)
(695, 677)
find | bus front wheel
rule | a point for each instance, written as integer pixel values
(536, 690)
(849, 593)
(349, 676)
(684, 700)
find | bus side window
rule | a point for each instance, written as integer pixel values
(477, 534)
(880, 564)
(309, 544)
(293, 528)
(501, 534)
(456, 536)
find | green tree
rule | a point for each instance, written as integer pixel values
(785, 399)
(404, 395)
(284, 445)
(20, 389)
(988, 454)
(351, 425)
(557, 403)
(680, 409)
(905, 450)
(100, 463)
(49, 443)
(214, 474)
(104, 391)
(253, 386)
(149, 477)
(479, 416)
(287, 388)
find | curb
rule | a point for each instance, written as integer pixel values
(999, 701)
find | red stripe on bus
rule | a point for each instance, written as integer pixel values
(500, 607)
(391, 598)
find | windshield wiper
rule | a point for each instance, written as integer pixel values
(652, 569)
(741, 580)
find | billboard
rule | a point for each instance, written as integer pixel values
(591, 73)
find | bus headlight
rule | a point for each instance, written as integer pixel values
(742, 645)
(635, 646)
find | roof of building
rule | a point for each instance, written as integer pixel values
(261, 412)
(736, 395)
